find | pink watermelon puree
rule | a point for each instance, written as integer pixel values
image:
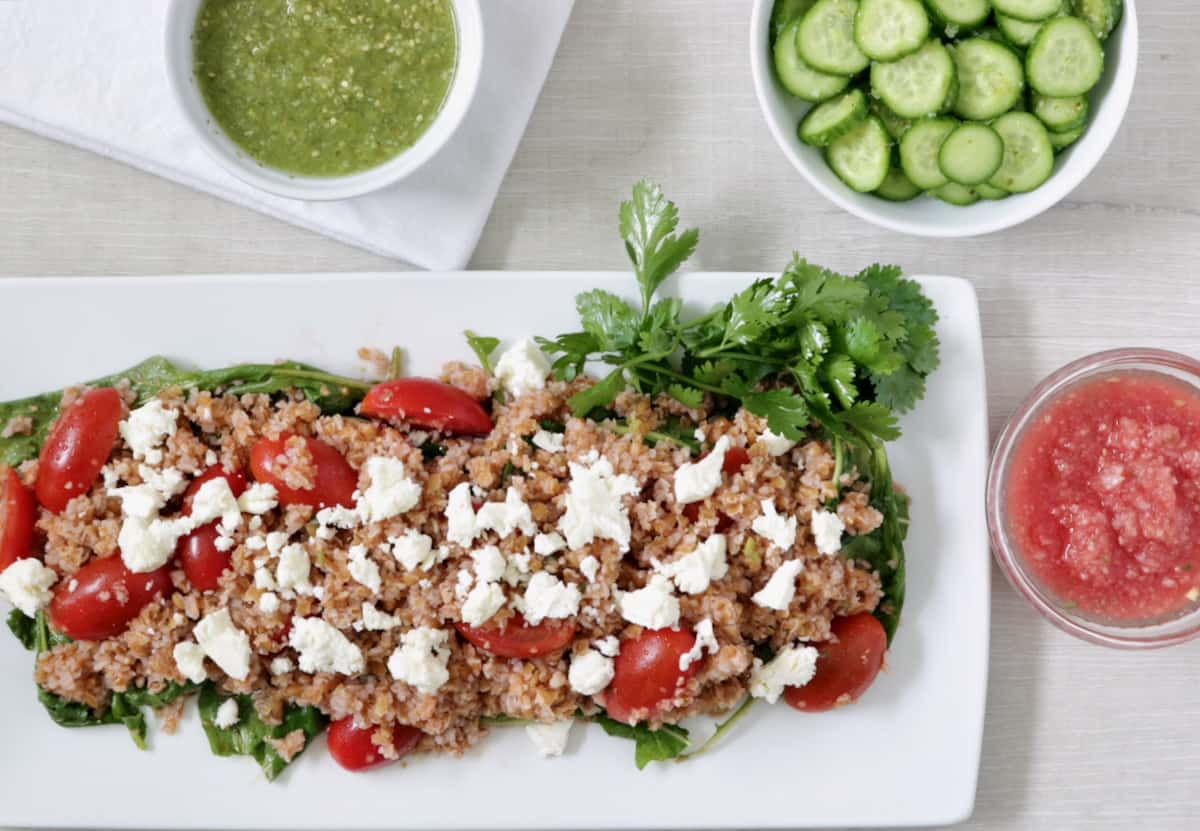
(1104, 496)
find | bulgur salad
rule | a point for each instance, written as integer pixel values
(407, 563)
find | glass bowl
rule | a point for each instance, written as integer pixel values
(1107, 632)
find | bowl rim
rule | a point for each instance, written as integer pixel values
(177, 36)
(1166, 633)
(1062, 182)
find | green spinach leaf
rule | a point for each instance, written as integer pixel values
(249, 736)
(24, 627)
(667, 742)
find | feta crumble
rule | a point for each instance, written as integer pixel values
(227, 714)
(776, 445)
(364, 570)
(294, 567)
(699, 480)
(189, 660)
(415, 551)
(589, 567)
(489, 563)
(548, 597)
(224, 643)
(706, 641)
(792, 667)
(374, 620)
(421, 659)
(827, 528)
(281, 665)
(550, 739)
(148, 544)
(779, 530)
(608, 646)
(694, 571)
(26, 583)
(392, 491)
(505, 517)
(547, 545)
(550, 442)
(593, 504)
(653, 607)
(482, 603)
(522, 368)
(147, 428)
(777, 594)
(215, 500)
(323, 648)
(460, 515)
(590, 672)
(268, 603)
(259, 498)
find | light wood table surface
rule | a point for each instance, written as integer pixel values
(1077, 736)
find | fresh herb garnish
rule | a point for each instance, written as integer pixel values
(484, 348)
(249, 736)
(667, 742)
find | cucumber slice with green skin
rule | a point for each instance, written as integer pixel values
(1063, 140)
(826, 38)
(957, 194)
(971, 154)
(1102, 15)
(799, 78)
(828, 122)
(1066, 58)
(894, 124)
(919, 151)
(987, 191)
(961, 14)
(918, 85)
(990, 79)
(1018, 32)
(897, 187)
(1061, 115)
(887, 30)
(1031, 10)
(862, 157)
(1028, 154)
(786, 12)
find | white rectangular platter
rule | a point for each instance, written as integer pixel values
(906, 754)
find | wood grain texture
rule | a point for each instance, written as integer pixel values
(1077, 737)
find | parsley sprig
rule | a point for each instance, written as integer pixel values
(812, 345)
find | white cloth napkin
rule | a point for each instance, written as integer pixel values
(91, 73)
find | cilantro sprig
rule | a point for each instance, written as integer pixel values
(848, 353)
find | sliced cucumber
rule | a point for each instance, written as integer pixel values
(887, 30)
(987, 191)
(1028, 154)
(826, 38)
(919, 85)
(786, 12)
(919, 151)
(1031, 10)
(894, 124)
(959, 14)
(1065, 59)
(971, 154)
(897, 187)
(990, 79)
(833, 119)
(1102, 15)
(956, 194)
(799, 78)
(1063, 140)
(1018, 32)
(1061, 115)
(861, 158)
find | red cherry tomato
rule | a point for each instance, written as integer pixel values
(846, 666)
(735, 459)
(101, 599)
(428, 403)
(18, 513)
(78, 446)
(647, 673)
(352, 748)
(517, 639)
(197, 551)
(334, 483)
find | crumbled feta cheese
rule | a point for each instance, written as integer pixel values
(268, 603)
(215, 500)
(333, 518)
(589, 567)
(263, 579)
(777, 594)
(224, 643)
(26, 583)
(548, 544)
(168, 481)
(141, 501)
(276, 540)
(827, 528)
(148, 544)
(550, 442)
(421, 659)
(210, 457)
(256, 543)
(506, 517)
(694, 571)
(653, 607)
(522, 368)
(550, 739)
(363, 569)
(110, 477)
(391, 492)
(517, 568)
(415, 550)
(699, 435)
(593, 504)
(374, 620)
(460, 515)
(482, 603)
(227, 714)
(699, 480)
(189, 660)
(463, 583)
(780, 530)
(776, 445)
(608, 646)
(281, 665)
(147, 428)
(548, 597)
(590, 672)
(294, 567)
(223, 543)
(259, 498)
(792, 667)
(706, 641)
(323, 648)
(489, 563)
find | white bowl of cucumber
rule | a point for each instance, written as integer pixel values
(944, 118)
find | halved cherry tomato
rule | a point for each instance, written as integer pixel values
(428, 403)
(334, 483)
(517, 639)
(735, 459)
(846, 666)
(78, 446)
(647, 673)
(352, 748)
(197, 551)
(101, 599)
(18, 513)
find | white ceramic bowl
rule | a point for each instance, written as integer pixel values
(181, 20)
(926, 216)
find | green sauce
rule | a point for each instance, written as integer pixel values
(325, 87)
